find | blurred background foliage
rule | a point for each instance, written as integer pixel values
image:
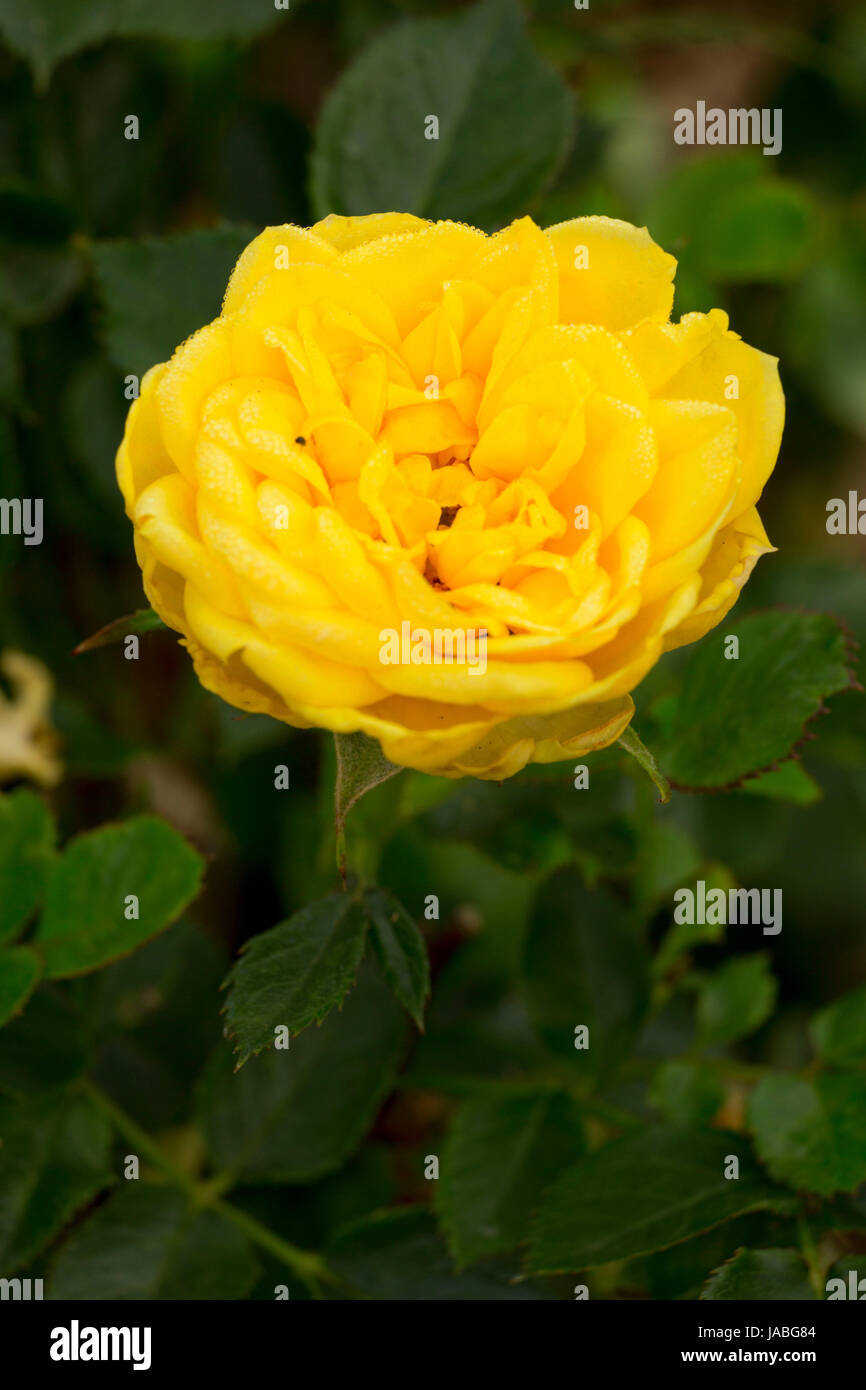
(113, 250)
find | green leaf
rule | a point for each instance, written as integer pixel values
(47, 31)
(26, 844)
(146, 1242)
(584, 965)
(686, 199)
(645, 1192)
(54, 1155)
(143, 620)
(811, 1134)
(397, 1256)
(681, 1271)
(505, 121)
(733, 220)
(401, 950)
(764, 231)
(735, 1000)
(789, 782)
(503, 1149)
(738, 717)
(20, 970)
(750, 1275)
(294, 974)
(294, 1115)
(156, 291)
(83, 923)
(687, 1093)
(839, 1031)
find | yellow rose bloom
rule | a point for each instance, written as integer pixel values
(404, 427)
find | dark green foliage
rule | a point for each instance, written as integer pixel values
(146, 1242)
(110, 891)
(26, 842)
(761, 1274)
(156, 292)
(653, 1189)
(296, 1113)
(504, 122)
(295, 973)
(788, 664)
(585, 966)
(504, 1148)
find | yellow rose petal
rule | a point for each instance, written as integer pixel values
(611, 273)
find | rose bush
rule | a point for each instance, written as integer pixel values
(398, 421)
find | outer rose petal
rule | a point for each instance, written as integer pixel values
(492, 751)
(510, 746)
(627, 277)
(699, 358)
(142, 456)
(267, 252)
(736, 551)
(345, 233)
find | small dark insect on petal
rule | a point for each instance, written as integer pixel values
(299, 439)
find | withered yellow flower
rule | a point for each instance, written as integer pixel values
(28, 741)
(404, 427)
